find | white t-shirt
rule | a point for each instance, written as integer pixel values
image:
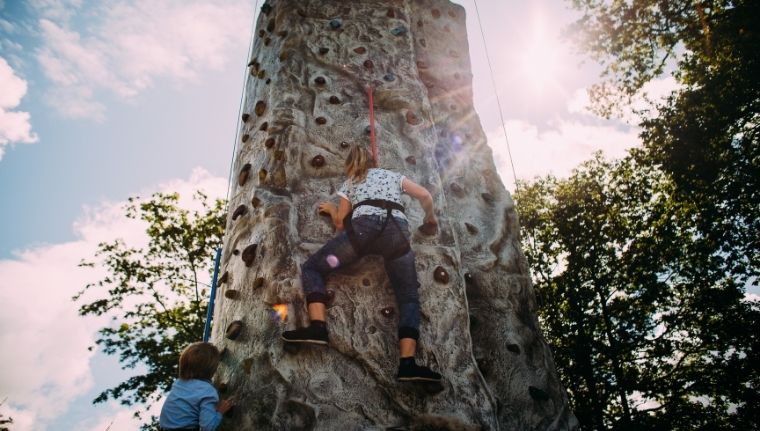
(379, 184)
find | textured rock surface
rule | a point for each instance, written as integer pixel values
(305, 98)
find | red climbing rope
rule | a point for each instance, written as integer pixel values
(372, 139)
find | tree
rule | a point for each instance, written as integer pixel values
(705, 137)
(650, 328)
(5, 421)
(153, 293)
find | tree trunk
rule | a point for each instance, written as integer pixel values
(305, 98)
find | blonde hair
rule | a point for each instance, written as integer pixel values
(358, 163)
(198, 361)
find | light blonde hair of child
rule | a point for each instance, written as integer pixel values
(198, 361)
(358, 162)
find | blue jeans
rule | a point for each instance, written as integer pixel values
(339, 253)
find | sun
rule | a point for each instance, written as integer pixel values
(540, 59)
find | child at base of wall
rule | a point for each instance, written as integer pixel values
(193, 403)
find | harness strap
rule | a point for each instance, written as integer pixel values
(388, 206)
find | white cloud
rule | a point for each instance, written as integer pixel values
(752, 297)
(556, 149)
(15, 126)
(129, 46)
(46, 362)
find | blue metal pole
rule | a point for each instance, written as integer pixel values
(210, 312)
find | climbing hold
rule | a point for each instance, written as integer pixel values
(321, 121)
(231, 294)
(251, 63)
(223, 279)
(223, 387)
(360, 50)
(412, 118)
(267, 41)
(234, 330)
(268, 81)
(419, 23)
(399, 31)
(369, 64)
(440, 275)
(537, 394)
(334, 100)
(335, 24)
(320, 80)
(264, 126)
(239, 211)
(262, 175)
(245, 137)
(279, 155)
(258, 283)
(247, 365)
(468, 278)
(411, 160)
(301, 13)
(245, 117)
(457, 189)
(423, 42)
(330, 295)
(270, 25)
(470, 228)
(243, 175)
(391, 13)
(365, 282)
(368, 130)
(488, 198)
(514, 348)
(255, 202)
(249, 254)
(260, 108)
(318, 161)
(387, 312)
(269, 143)
(266, 8)
(323, 51)
(282, 33)
(436, 13)
(236, 252)
(262, 73)
(284, 55)
(262, 33)
(389, 77)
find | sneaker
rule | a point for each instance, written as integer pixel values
(311, 335)
(416, 373)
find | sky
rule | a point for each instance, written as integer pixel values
(100, 101)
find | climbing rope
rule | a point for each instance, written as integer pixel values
(496, 93)
(372, 139)
(240, 104)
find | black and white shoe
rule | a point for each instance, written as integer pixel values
(409, 371)
(311, 334)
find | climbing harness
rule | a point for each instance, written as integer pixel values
(388, 206)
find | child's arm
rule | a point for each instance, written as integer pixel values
(336, 213)
(423, 196)
(210, 415)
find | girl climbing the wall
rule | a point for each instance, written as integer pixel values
(370, 220)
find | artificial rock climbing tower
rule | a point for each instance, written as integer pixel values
(305, 101)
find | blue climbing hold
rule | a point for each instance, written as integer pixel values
(399, 31)
(389, 77)
(335, 24)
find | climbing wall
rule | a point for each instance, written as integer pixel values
(305, 103)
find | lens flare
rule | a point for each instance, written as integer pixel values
(332, 261)
(280, 312)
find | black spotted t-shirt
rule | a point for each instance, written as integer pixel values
(379, 184)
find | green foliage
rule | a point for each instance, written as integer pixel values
(645, 313)
(706, 136)
(153, 293)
